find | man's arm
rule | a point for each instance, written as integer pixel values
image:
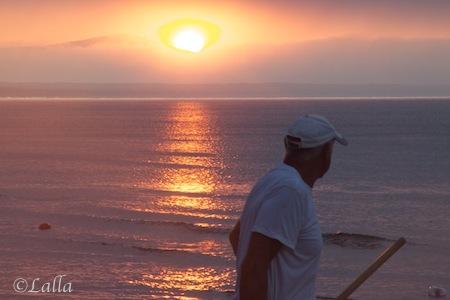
(253, 280)
(234, 236)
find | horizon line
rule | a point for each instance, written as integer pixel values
(223, 83)
(354, 98)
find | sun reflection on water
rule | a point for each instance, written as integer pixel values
(190, 155)
(188, 180)
(189, 202)
(191, 142)
(180, 280)
(207, 247)
(184, 185)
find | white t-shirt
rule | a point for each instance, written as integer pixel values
(280, 206)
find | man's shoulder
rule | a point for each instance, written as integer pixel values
(281, 177)
(282, 187)
(286, 177)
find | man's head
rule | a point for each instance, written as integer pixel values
(309, 145)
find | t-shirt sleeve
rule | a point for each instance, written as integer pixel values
(281, 216)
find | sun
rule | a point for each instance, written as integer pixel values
(189, 35)
(189, 39)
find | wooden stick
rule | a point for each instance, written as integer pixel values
(371, 269)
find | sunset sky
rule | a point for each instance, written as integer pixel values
(358, 42)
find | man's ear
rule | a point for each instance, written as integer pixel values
(327, 150)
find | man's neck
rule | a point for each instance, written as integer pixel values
(304, 171)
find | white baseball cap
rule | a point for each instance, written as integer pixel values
(312, 131)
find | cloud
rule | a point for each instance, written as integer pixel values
(122, 58)
(108, 41)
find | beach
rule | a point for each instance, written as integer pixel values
(140, 194)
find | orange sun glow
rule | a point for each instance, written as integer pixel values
(189, 35)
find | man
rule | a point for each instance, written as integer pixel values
(277, 240)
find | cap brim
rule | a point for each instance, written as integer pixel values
(341, 140)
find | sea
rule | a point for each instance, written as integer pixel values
(140, 194)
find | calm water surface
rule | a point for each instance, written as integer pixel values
(141, 194)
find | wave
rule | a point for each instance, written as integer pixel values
(355, 240)
(146, 249)
(346, 240)
(217, 195)
(186, 153)
(160, 250)
(197, 227)
(343, 239)
(180, 165)
(212, 256)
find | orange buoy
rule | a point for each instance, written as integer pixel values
(44, 226)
